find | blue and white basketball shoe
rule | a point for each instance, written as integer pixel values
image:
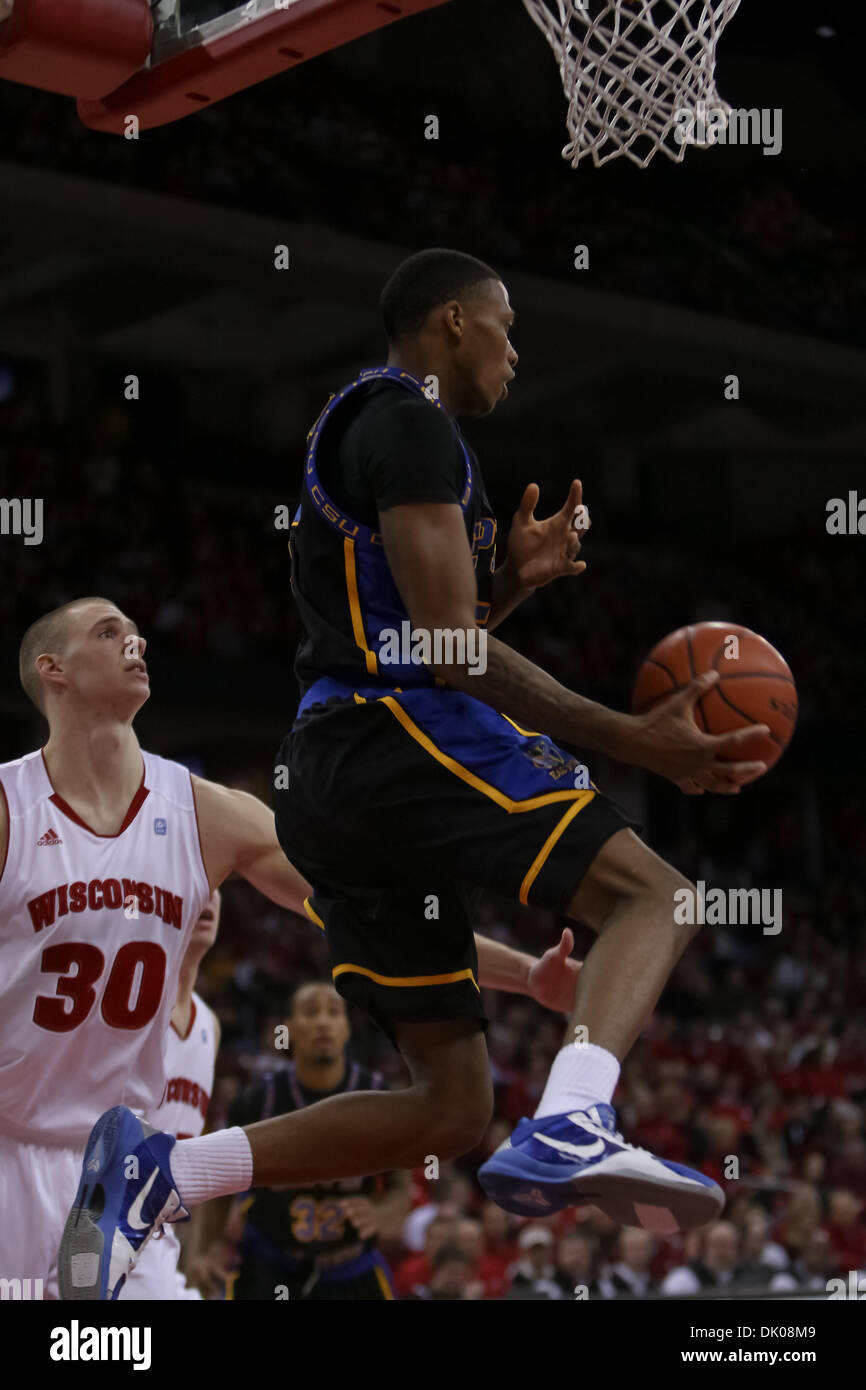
(125, 1194)
(566, 1160)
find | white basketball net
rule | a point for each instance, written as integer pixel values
(631, 69)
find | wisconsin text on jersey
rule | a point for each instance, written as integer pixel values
(187, 1092)
(125, 895)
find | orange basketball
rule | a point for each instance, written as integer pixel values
(755, 686)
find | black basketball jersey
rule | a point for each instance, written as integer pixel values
(348, 602)
(301, 1222)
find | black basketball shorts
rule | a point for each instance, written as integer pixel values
(400, 809)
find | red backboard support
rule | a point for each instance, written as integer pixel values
(79, 48)
(207, 69)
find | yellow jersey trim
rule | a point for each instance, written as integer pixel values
(506, 802)
(355, 607)
(527, 733)
(383, 1283)
(405, 981)
(544, 853)
(312, 914)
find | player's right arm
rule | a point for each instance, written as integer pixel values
(431, 563)
(238, 836)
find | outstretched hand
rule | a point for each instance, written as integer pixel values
(210, 1271)
(553, 978)
(539, 551)
(363, 1215)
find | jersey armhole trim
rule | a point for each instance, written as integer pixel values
(198, 834)
(356, 616)
(8, 831)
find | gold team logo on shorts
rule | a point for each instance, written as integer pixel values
(557, 764)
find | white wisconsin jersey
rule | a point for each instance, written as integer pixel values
(93, 929)
(189, 1068)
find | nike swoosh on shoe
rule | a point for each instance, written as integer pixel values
(133, 1216)
(581, 1151)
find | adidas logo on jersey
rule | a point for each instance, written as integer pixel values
(49, 838)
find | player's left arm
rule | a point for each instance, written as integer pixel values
(238, 836)
(384, 1215)
(551, 979)
(538, 552)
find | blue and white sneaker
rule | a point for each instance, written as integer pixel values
(125, 1194)
(565, 1160)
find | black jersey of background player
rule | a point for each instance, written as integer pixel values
(303, 1221)
(385, 444)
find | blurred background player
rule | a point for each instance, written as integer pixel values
(109, 856)
(318, 1241)
(191, 1047)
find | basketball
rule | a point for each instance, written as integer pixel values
(755, 686)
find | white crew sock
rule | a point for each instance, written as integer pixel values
(213, 1166)
(582, 1075)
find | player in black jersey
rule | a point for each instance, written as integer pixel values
(418, 775)
(421, 769)
(315, 1242)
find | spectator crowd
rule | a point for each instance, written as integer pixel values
(341, 154)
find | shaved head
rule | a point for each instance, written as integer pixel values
(47, 635)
